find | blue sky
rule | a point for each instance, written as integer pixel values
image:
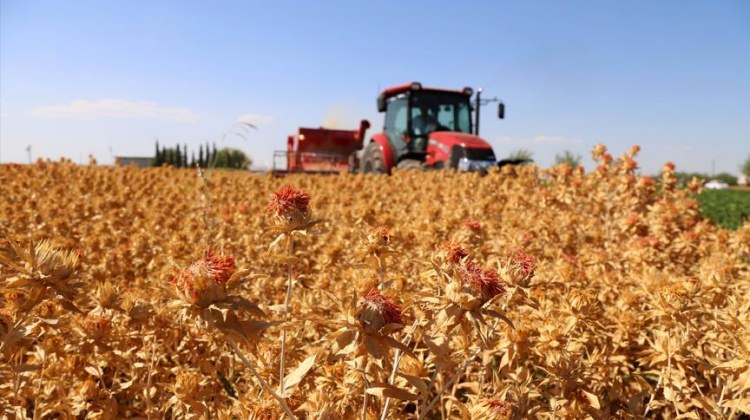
(108, 78)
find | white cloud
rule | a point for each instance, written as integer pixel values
(255, 119)
(540, 139)
(508, 140)
(115, 108)
(544, 139)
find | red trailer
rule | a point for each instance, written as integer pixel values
(321, 150)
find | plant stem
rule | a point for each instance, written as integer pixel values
(263, 383)
(396, 361)
(423, 410)
(206, 201)
(286, 315)
(364, 389)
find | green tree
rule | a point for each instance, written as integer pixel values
(159, 157)
(726, 177)
(746, 167)
(177, 157)
(569, 158)
(521, 154)
(231, 158)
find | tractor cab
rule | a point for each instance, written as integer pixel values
(413, 113)
(426, 127)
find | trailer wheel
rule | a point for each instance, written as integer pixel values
(372, 160)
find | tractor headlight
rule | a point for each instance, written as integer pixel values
(468, 165)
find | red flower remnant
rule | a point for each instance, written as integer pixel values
(204, 281)
(502, 408)
(378, 311)
(473, 225)
(629, 164)
(599, 150)
(456, 253)
(485, 282)
(288, 202)
(384, 235)
(523, 263)
(221, 267)
(668, 167)
(568, 258)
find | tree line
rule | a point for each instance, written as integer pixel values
(207, 157)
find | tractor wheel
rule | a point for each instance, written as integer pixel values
(372, 160)
(409, 164)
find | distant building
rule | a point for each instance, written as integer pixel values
(742, 179)
(141, 162)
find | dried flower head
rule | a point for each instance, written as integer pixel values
(598, 151)
(456, 253)
(491, 409)
(483, 284)
(54, 262)
(384, 236)
(473, 225)
(522, 266)
(377, 311)
(290, 205)
(204, 281)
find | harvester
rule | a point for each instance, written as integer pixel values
(321, 150)
(424, 127)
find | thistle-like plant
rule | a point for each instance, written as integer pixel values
(289, 209)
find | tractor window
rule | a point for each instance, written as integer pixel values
(440, 111)
(396, 121)
(463, 117)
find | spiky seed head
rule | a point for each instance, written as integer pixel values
(377, 311)
(522, 266)
(482, 284)
(204, 281)
(290, 205)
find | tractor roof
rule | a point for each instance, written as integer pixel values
(395, 90)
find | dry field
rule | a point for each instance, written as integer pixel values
(524, 293)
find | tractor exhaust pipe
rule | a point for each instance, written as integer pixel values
(363, 126)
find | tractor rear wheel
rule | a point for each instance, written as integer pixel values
(372, 160)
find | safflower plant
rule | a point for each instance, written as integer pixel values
(625, 301)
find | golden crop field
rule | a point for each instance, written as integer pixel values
(543, 293)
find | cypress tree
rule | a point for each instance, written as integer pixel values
(157, 156)
(201, 160)
(184, 155)
(177, 157)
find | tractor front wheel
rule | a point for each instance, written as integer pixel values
(372, 160)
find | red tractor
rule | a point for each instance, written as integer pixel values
(428, 127)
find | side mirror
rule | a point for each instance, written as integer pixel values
(381, 103)
(501, 110)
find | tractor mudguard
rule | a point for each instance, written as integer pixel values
(385, 146)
